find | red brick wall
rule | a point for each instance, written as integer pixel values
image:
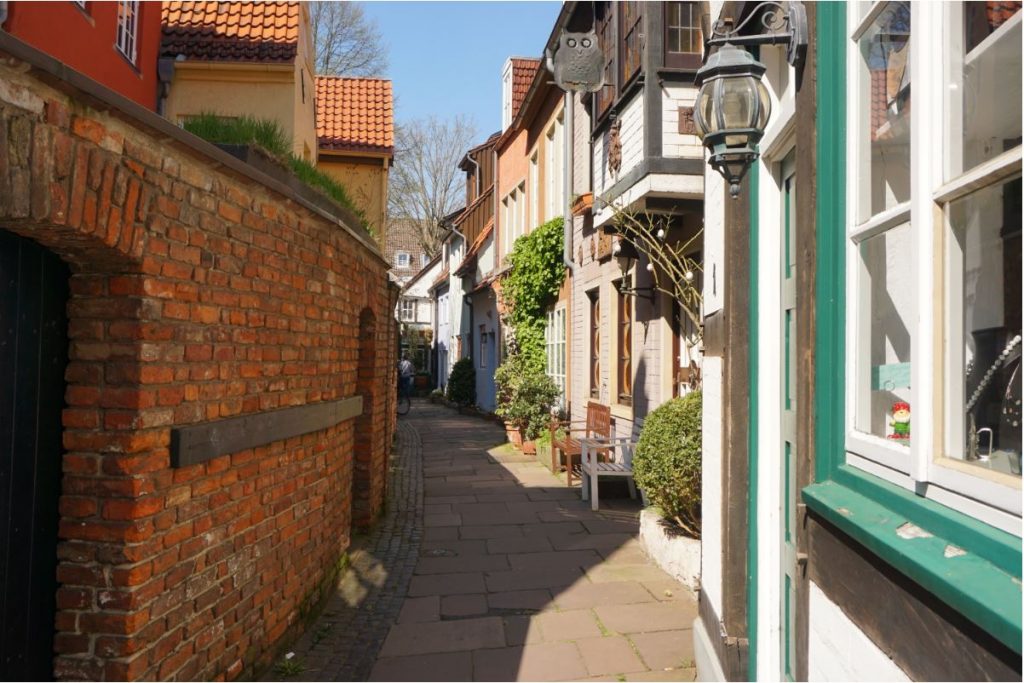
(196, 294)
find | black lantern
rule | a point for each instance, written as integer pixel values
(733, 105)
(732, 111)
(626, 256)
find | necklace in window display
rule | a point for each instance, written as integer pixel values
(900, 422)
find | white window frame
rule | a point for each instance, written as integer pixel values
(534, 194)
(402, 259)
(521, 206)
(506, 95)
(407, 310)
(555, 346)
(952, 483)
(127, 38)
(554, 168)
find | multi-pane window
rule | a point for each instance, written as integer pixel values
(534, 194)
(934, 251)
(684, 38)
(554, 339)
(595, 343)
(424, 260)
(631, 27)
(513, 210)
(555, 171)
(407, 310)
(402, 259)
(128, 28)
(624, 370)
(606, 39)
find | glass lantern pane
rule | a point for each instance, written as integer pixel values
(884, 138)
(703, 112)
(765, 109)
(738, 97)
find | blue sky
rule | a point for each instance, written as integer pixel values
(446, 57)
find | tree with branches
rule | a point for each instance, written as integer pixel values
(347, 42)
(425, 183)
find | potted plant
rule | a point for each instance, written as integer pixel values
(525, 397)
(667, 466)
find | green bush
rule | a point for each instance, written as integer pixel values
(462, 383)
(667, 460)
(531, 283)
(525, 395)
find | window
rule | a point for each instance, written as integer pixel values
(506, 96)
(938, 218)
(407, 310)
(534, 195)
(631, 27)
(625, 339)
(401, 259)
(595, 343)
(127, 28)
(424, 260)
(684, 38)
(606, 38)
(555, 171)
(483, 346)
(554, 340)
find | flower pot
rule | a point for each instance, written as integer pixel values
(515, 437)
(530, 447)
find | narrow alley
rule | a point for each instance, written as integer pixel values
(487, 567)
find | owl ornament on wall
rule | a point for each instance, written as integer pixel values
(577, 63)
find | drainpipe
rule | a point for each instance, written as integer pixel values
(567, 110)
(476, 172)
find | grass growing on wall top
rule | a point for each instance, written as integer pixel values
(268, 135)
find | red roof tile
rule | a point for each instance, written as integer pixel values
(355, 114)
(523, 71)
(231, 31)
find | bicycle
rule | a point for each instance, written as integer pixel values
(404, 403)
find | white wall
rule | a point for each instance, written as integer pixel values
(674, 144)
(631, 135)
(839, 651)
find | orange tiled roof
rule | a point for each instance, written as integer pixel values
(231, 31)
(355, 114)
(523, 70)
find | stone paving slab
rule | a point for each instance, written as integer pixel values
(487, 567)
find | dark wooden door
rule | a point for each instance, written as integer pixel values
(33, 354)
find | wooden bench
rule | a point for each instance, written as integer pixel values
(565, 440)
(596, 461)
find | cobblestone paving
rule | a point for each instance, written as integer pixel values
(343, 643)
(487, 567)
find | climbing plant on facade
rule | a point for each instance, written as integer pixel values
(534, 276)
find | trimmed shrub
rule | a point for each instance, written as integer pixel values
(525, 396)
(462, 383)
(667, 460)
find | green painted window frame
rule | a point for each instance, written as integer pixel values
(984, 582)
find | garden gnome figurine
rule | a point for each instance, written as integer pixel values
(900, 420)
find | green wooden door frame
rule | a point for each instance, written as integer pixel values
(985, 583)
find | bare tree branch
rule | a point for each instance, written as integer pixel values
(347, 42)
(425, 183)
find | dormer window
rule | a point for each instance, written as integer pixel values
(506, 95)
(402, 259)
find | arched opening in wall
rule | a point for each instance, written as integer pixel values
(33, 357)
(365, 436)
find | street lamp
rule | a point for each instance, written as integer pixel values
(626, 255)
(733, 105)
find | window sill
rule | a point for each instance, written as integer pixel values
(981, 582)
